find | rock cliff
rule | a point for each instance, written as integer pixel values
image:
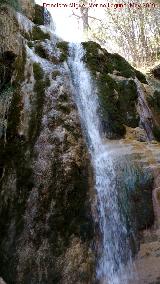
(45, 216)
(46, 196)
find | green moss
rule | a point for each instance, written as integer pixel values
(38, 34)
(26, 35)
(140, 76)
(30, 44)
(13, 3)
(117, 97)
(99, 60)
(121, 65)
(128, 96)
(47, 81)
(38, 15)
(65, 108)
(154, 101)
(156, 132)
(112, 121)
(55, 73)
(39, 49)
(118, 105)
(158, 196)
(13, 123)
(63, 46)
(38, 71)
(36, 115)
(19, 66)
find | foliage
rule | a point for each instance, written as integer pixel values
(132, 31)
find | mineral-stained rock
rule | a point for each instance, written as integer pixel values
(27, 7)
(47, 231)
(45, 214)
(156, 72)
(2, 281)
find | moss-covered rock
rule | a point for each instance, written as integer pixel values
(134, 185)
(116, 89)
(99, 60)
(40, 50)
(154, 101)
(38, 18)
(13, 3)
(154, 104)
(63, 46)
(37, 104)
(30, 44)
(55, 73)
(156, 72)
(38, 34)
(140, 76)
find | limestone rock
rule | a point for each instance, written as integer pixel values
(44, 165)
(156, 72)
(2, 281)
(27, 7)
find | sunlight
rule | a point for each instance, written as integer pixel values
(67, 26)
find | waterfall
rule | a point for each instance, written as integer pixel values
(115, 249)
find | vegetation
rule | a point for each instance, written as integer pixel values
(131, 30)
(63, 46)
(117, 97)
(154, 104)
(154, 101)
(156, 132)
(39, 15)
(30, 44)
(40, 50)
(36, 115)
(38, 34)
(13, 3)
(99, 60)
(55, 73)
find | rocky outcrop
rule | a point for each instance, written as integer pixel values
(117, 90)
(45, 214)
(156, 72)
(47, 231)
(27, 7)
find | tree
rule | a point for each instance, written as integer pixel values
(132, 31)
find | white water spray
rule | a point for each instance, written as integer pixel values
(115, 249)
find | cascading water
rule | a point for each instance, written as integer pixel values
(115, 249)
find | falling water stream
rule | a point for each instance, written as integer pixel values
(114, 245)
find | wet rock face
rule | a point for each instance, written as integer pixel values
(10, 40)
(120, 95)
(156, 72)
(45, 214)
(27, 7)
